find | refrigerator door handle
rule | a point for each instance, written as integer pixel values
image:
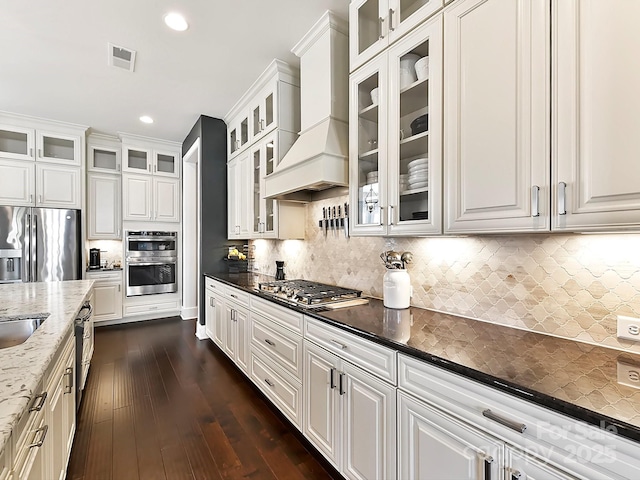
(26, 254)
(34, 249)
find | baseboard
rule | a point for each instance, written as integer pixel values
(187, 313)
(201, 334)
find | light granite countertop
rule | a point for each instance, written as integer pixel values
(23, 366)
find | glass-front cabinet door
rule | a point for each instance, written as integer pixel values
(136, 160)
(166, 163)
(415, 145)
(238, 134)
(376, 24)
(17, 142)
(395, 138)
(263, 114)
(59, 148)
(104, 159)
(264, 209)
(367, 148)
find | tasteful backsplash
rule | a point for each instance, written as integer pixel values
(568, 285)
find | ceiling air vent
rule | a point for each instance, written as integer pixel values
(121, 57)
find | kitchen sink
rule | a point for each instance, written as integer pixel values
(16, 329)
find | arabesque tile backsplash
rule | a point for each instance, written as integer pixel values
(568, 285)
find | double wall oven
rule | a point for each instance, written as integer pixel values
(151, 262)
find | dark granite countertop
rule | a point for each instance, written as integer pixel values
(573, 378)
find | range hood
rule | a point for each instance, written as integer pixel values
(319, 158)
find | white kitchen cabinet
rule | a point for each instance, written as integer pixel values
(214, 317)
(433, 445)
(595, 172)
(29, 140)
(272, 102)
(143, 159)
(17, 182)
(104, 154)
(40, 184)
(434, 403)
(228, 322)
(375, 24)
(58, 186)
(389, 194)
(108, 295)
(349, 415)
(30, 463)
(496, 116)
(151, 198)
(60, 412)
(104, 200)
(265, 212)
(238, 132)
(239, 197)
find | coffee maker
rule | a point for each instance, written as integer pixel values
(94, 259)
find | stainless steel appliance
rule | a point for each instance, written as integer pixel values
(39, 244)
(94, 259)
(151, 262)
(308, 294)
(80, 325)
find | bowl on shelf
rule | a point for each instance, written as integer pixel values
(420, 124)
(422, 68)
(374, 96)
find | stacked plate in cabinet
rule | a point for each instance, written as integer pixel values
(372, 177)
(404, 182)
(418, 173)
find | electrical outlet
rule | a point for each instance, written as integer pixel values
(629, 328)
(629, 374)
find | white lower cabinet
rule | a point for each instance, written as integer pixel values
(42, 439)
(5, 463)
(434, 446)
(107, 301)
(213, 316)
(349, 415)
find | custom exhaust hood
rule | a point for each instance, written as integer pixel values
(319, 158)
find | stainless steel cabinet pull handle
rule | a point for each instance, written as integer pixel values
(515, 474)
(535, 201)
(269, 382)
(40, 442)
(381, 215)
(391, 20)
(342, 346)
(562, 198)
(518, 427)
(69, 374)
(488, 460)
(211, 301)
(390, 215)
(40, 199)
(380, 22)
(117, 167)
(232, 295)
(332, 381)
(269, 342)
(30, 197)
(38, 407)
(341, 386)
(40, 153)
(31, 152)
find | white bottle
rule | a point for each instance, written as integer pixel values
(396, 289)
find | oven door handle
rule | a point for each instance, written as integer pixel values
(148, 264)
(153, 239)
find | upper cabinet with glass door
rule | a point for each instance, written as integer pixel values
(61, 145)
(376, 24)
(104, 153)
(395, 137)
(150, 156)
(273, 101)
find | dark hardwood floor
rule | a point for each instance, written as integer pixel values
(160, 404)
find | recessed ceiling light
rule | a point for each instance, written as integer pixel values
(176, 21)
(146, 119)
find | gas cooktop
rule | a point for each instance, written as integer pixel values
(307, 294)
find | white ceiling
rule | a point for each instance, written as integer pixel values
(53, 59)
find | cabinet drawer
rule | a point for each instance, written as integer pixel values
(237, 296)
(278, 386)
(168, 306)
(280, 344)
(24, 432)
(374, 358)
(211, 284)
(569, 444)
(280, 315)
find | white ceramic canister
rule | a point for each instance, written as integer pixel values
(396, 289)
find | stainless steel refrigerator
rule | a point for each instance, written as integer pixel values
(39, 244)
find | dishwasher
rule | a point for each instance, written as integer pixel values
(80, 323)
